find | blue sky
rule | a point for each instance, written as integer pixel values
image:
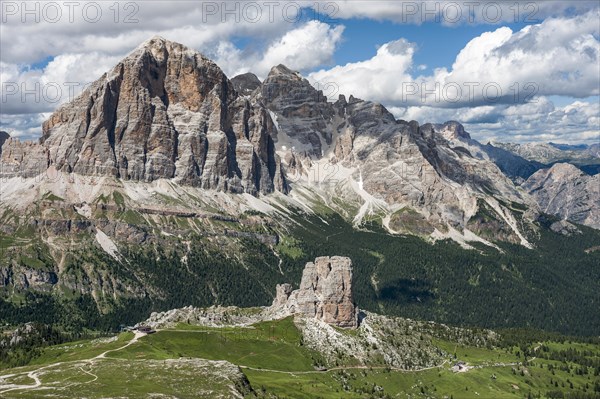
(437, 44)
(368, 48)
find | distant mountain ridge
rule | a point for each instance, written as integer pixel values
(585, 157)
(567, 147)
(566, 191)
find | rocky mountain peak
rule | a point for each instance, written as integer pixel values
(157, 45)
(325, 293)
(303, 112)
(282, 70)
(452, 130)
(564, 190)
(166, 111)
(161, 49)
(246, 83)
(564, 170)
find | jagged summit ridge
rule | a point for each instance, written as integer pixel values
(387, 166)
(167, 112)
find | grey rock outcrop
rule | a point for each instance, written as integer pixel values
(214, 316)
(25, 277)
(565, 191)
(23, 159)
(303, 113)
(325, 293)
(245, 83)
(565, 228)
(3, 137)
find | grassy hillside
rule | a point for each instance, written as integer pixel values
(268, 360)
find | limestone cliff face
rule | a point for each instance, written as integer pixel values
(565, 191)
(303, 113)
(24, 159)
(325, 293)
(166, 111)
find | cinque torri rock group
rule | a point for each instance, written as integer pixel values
(325, 293)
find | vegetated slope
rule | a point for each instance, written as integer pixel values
(552, 287)
(271, 359)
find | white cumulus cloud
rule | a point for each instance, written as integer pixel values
(378, 78)
(308, 46)
(560, 56)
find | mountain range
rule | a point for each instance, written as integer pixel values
(585, 157)
(166, 183)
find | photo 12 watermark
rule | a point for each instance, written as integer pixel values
(128, 12)
(408, 12)
(412, 92)
(454, 12)
(268, 11)
(54, 12)
(467, 92)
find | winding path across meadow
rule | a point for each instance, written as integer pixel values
(35, 374)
